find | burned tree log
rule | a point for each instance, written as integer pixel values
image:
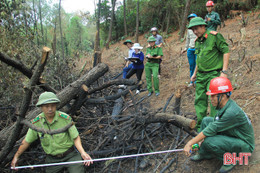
(178, 120)
(65, 96)
(25, 104)
(105, 99)
(118, 105)
(112, 82)
(184, 123)
(46, 131)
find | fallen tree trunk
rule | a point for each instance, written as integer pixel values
(117, 106)
(65, 96)
(105, 99)
(110, 83)
(184, 123)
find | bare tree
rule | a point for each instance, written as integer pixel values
(137, 22)
(97, 52)
(35, 24)
(184, 18)
(111, 23)
(61, 37)
(40, 13)
(125, 27)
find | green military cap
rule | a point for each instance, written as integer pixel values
(46, 98)
(196, 21)
(128, 41)
(151, 39)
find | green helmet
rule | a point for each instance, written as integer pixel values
(196, 21)
(47, 97)
(151, 39)
(128, 41)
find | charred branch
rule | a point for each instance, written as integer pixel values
(25, 104)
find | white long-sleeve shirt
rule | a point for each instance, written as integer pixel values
(190, 40)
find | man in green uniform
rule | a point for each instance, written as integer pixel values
(212, 61)
(229, 131)
(58, 147)
(153, 54)
(212, 18)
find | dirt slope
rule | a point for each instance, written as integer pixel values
(175, 74)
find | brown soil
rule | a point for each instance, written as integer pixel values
(175, 74)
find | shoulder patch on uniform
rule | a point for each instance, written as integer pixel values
(35, 120)
(67, 117)
(214, 32)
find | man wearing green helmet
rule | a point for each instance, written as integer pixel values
(153, 54)
(212, 61)
(58, 147)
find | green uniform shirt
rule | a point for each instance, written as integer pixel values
(57, 143)
(154, 51)
(232, 121)
(214, 21)
(210, 49)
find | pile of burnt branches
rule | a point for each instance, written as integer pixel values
(111, 121)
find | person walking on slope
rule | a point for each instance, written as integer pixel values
(62, 147)
(212, 18)
(137, 59)
(190, 49)
(230, 131)
(153, 54)
(212, 61)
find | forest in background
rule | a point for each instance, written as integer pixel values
(28, 25)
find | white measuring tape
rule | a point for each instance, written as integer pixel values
(96, 160)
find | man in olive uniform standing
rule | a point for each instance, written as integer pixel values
(153, 54)
(58, 147)
(212, 18)
(229, 131)
(212, 61)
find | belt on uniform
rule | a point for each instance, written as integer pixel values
(71, 149)
(218, 70)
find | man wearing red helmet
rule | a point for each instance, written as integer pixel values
(212, 18)
(229, 131)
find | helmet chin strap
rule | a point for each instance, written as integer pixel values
(220, 96)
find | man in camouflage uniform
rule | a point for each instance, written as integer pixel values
(212, 61)
(59, 147)
(230, 131)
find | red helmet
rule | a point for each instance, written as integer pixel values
(219, 85)
(210, 4)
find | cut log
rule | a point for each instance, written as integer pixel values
(118, 105)
(65, 96)
(178, 120)
(110, 83)
(105, 99)
(184, 123)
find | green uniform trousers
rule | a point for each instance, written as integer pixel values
(217, 146)
(201, 99)
(72, 168)
(152, 68)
